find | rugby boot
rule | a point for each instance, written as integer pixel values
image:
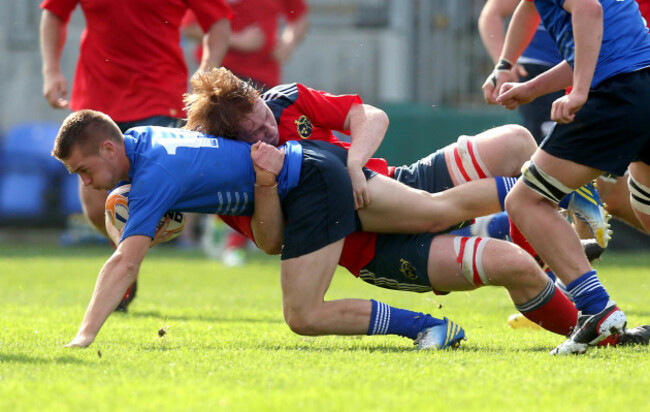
(585, 204)
(445, 335)
(591, 329)
(635, 336)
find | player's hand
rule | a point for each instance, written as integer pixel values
(161, 234)
(80, 341)
(494, 82)
(359, 188)
(565, 108)
(513, 95)
(55, 90)
(267, 159)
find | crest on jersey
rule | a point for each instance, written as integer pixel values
(303, 126)
(407, 269)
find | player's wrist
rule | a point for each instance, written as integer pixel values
(266, 185)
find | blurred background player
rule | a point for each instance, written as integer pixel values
(131, 66)
(264, 35)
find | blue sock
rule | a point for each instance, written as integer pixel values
(588, 293)
(499, 226)
(504, 185)
(387, 320)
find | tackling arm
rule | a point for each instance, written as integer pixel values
(267, 222)
(117, 274)
(53, 33)
(367, 125)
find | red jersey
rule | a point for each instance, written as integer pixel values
(265, 14)
(644, 8)
(304, 113)
(131, 65)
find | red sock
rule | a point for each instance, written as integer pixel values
(519, 240)
(558, 315)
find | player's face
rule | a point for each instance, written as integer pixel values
(259, 125)
(96, 170)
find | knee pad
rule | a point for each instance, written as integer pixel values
(469, 253)
(639, 195)
(466, 164)
(543, 183)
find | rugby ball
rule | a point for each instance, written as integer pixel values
(117, 212)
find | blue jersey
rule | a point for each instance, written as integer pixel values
(625, 46)
(541, 49)
(184, 171)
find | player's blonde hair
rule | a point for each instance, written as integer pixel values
(85, 129)
(218, 102)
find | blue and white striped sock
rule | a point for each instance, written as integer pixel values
(504, 186)
(588, 293)
(387, 320)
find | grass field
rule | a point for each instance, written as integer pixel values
(227, 347)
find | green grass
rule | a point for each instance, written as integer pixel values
(228, 348)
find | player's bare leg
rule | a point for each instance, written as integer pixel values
(559, 246)
(491, 262)
(305, 281)
(396, 208)
(483, 155)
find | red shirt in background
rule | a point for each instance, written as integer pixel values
(266, 14)
(131, 65)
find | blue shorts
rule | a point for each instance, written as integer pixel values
(400, 263)
(320, 210)
(429, 174)
(611, 130)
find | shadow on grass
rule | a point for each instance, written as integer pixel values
(31, 360)
(200, 318)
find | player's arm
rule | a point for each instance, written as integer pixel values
(267, 222)
(521, 30)
(491, 25)
(117, 274)
(53, 33)
(587, 22)
(514, 95)
(215, 44)
(367, 125)
(292, 35)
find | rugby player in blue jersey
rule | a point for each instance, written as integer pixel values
(179, 170)
(602, 126)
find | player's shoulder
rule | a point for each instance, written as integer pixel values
(282, 92)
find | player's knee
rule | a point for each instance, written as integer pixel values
(514, 267)
(300, 322)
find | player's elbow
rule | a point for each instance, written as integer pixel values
(274, 249)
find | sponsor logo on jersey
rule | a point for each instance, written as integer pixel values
(407, 269)
(303, 126)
